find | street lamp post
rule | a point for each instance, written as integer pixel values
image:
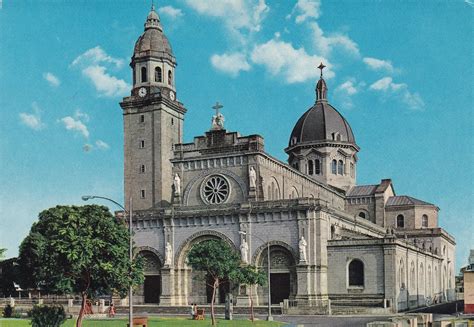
(130, 246)
(269, 316)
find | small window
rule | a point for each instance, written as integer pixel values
(356, 273)
(142, 118)
(424, 221)
(338, 136)
(296, 165)
(334, 167)
(317, 167)
(333, 135)
(352, 170)
(310, 167)
(172, 121)
(170, 77)
(158, 75)
(142, 144)
(134, 76)
(340, 167)
(142, 194)
(294, 139)
(144, 77)
(142, 169)
(400, 221)
(362, 215)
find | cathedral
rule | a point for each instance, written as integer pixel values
(333, 244)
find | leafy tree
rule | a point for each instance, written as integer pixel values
(2, 253)
(218, 260)
(249, 275)
(79, 249)
(9, 273)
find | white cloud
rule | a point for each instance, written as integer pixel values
(52, 79)
(230, 63)
(75, 125)
(347, 87)
(97, 55)
(378, 64)
(325, 44)
(101, 145)
(306, 9)
(400, 90)
(171, 12)
(295, 65)
(32, 120)
(239, 16)
(94, 63)
(104, 83)
(79, 115)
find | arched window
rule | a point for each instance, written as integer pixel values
(400, 221)
(334, 166)
(170, 77)
(296, 165)
(333, 232)
(317, 167)
(158, 75)
(352, 170)
(134, 76)
(424, 221)
(310, 167)
(429, 281)
(412, 276)
(421, 279)
(144, 78)
(340, 168)
(362, 215)
(356, 273)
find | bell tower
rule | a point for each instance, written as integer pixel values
(153, 119)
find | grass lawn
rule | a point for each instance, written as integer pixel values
(152, 322)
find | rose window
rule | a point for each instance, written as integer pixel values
(215, 190)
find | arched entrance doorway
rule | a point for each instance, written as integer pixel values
(151, 289)
(196, 285)
(282, 274)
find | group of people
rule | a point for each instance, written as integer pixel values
(194, 311)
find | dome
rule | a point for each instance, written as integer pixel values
(320, 123)
(153, 41)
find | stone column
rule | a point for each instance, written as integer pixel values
(167, 287)
(390, 273)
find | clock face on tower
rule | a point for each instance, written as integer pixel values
(172, 95)
(142, 92)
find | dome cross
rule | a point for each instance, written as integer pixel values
(321, 67)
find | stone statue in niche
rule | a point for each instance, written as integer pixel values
(252, 178)
(302, 246)
(168, 253)
(177, 184)
(244, 251)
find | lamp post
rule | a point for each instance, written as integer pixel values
(269, 316)
(130, 246)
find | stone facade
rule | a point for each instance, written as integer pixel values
(364, 244)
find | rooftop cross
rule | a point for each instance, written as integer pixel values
(321, 67)
(218, 118)
(216, 107)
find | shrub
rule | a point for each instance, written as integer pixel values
(8, 311)
(47, 316)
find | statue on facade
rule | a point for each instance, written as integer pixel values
(302, 246)
(177, 184)
(252, 177)
(244, 251)
(168, 253)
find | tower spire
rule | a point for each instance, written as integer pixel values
(321, 87)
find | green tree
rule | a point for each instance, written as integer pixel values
(249, 275)
(218, 260)
(2, 253)
(79, 249)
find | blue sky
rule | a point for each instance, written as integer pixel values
(399, 71)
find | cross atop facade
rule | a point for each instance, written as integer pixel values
(321, 67)
(216, 107)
